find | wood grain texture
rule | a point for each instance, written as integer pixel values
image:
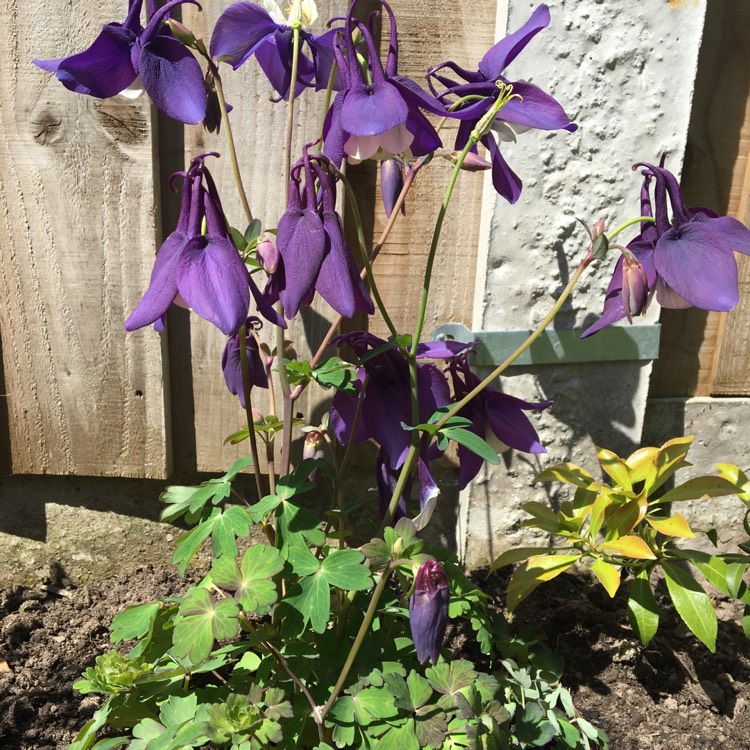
(706, 353)
(78, 239)
(259, 129)
(429, 33)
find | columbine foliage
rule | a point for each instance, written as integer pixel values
(314, 639)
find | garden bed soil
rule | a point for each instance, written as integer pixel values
(673, 695)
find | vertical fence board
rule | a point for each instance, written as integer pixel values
(430, 33)
(259, 129)
(78, 218)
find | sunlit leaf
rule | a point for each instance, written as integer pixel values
(699, 488)
(511, 556)
(692, 604)
(608, 575)
(670, 458)
(472, 442)
(643, 611)
(251, 583)
(674, 525)
(642, 464)
(533, 572)
(734, 474)
(621, 519)
(615, 467)
(629, 546)
(566, 472)
(202, 620)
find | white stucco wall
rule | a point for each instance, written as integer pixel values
(624, 72)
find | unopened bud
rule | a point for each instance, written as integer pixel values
(182, 33)
(267, 252)
(634, 287)
(428, 610)
(472, 162)
(313, 445)
(391, 183)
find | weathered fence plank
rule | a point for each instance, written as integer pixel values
(77, 206)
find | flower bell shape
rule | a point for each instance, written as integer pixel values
(170, 74)
(231, 363)
(686, 258)
(428, 610)
(203, 271)
(379, 114)
(245, 29)
(495, 417)
(313, 254)
(529, 107)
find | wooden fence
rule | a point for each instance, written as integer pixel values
(84, 203)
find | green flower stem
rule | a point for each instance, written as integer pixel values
(368, 275)
(317, 716)
(629, 223)
(359, 639)
(521, 349)
(408, 181)
(286, 434)
(249, 410)
(230, 142)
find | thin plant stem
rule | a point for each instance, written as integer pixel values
(629, 223)
(230, 143)
(521, 349)
(270, 458)
(286, 434)
(368, 275)
(358, 640)
(317, 714)
(249, 410)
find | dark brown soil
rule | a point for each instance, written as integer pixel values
(674, 695)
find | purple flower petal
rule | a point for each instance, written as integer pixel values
(173, 79)
(536, 109)
(732, 230)
(505, 181)
(163, 285)
(212, 279)
(334, 136)
(506, 50)
(343, 411)
(442, 349)
(415, 95)
(338, 282)
(613, 311)
(103, 70)
(302, 244)
(426, 140)
(238, 32)
(506, 419)
(371, 110)
(698, 263)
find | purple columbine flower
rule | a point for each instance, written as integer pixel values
(170, 74)
(495, 417)
(245, 28)
(686, 260)
(231, 363)
(314, 256)
(428, 610)
(202, 271)
(530, 108)
(386, 404)
(379, 114)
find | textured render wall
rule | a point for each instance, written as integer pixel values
(624, 72)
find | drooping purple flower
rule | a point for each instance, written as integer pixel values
(428, 610)
(246, 28)
(379, 114)
(386, 404)
(170, 74)
(231, 363)
(495, 417)
(686, 259)
(203, 271)
(313, 254)
(531, 108)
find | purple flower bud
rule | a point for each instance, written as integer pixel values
(391, 184)
(472, 162)
(428, 610)
(634, 287)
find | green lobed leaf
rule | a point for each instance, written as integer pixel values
(201, 620)
(133, 622)
(643, 611)
(532, 727)
(232, 523)
(692, 604)
(345, 569)
(296, 526)
(448, 678)
(251, 583)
